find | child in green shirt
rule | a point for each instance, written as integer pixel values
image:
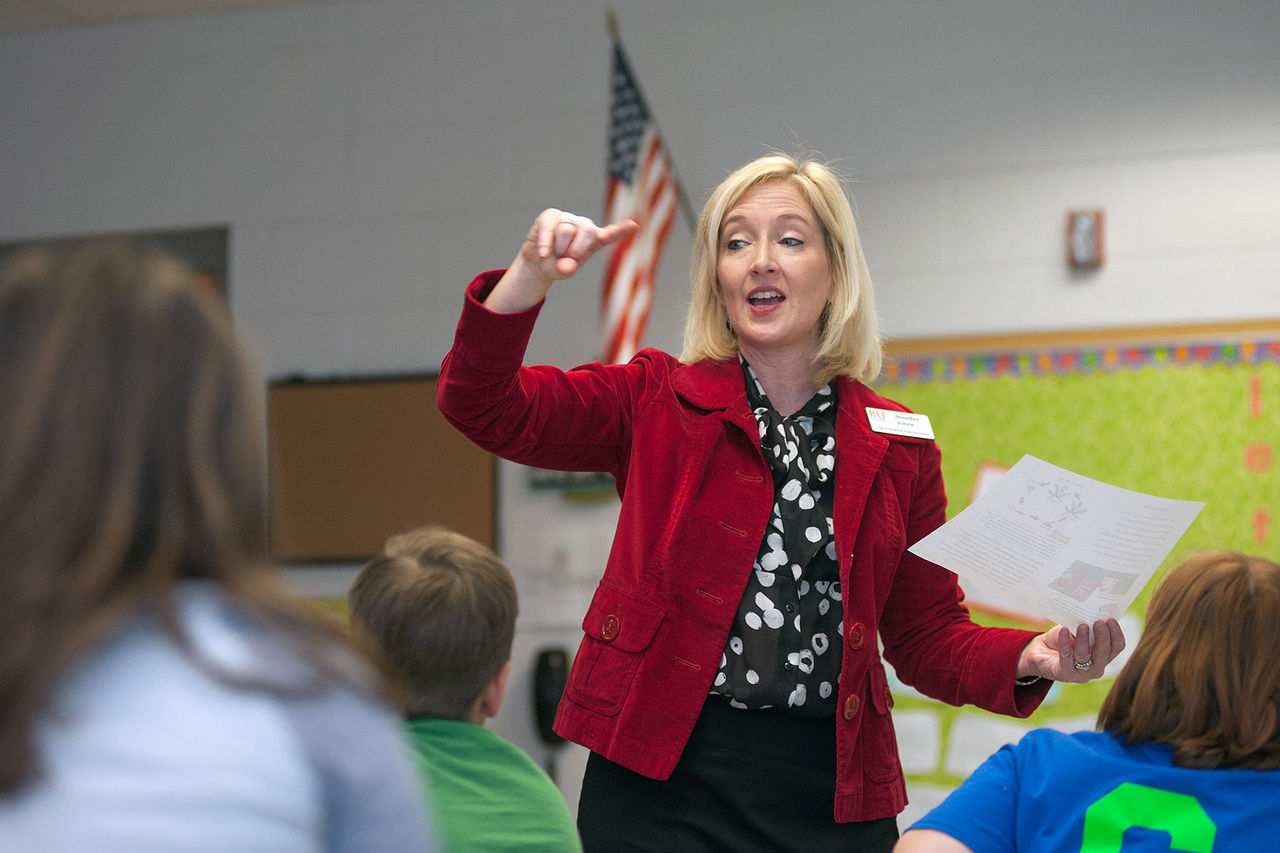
(439, 608)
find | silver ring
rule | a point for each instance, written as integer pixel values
(1082, 667)
(569, 218)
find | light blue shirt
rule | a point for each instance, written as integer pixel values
(144, 751)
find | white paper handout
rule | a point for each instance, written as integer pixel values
(1058, 544)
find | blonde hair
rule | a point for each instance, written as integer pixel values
(850, 336)
(1205, 677)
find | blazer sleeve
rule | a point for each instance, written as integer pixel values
(929, 636)
(575, 420)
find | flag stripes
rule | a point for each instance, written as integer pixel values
(642, 186)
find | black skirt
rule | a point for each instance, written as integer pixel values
(747, 781)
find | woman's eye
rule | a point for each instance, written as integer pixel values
(735, 244)
(791, 241)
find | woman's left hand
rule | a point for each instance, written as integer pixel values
(1063, 656)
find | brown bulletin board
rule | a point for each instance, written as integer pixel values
(354, 461)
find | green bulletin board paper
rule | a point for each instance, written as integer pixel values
(1194, 422)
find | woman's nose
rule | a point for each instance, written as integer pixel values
(762, 257)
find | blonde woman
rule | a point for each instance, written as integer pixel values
(730, 683)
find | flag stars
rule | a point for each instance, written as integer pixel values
(627, 121)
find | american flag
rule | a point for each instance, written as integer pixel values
(643, 187)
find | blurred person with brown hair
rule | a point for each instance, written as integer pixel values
(440, 609)
(159, 688)
(1187, 752)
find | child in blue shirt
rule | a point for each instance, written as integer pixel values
(1188, 752)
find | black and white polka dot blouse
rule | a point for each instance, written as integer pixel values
(784, 648)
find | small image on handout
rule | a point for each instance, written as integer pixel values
(1052, 504)
(1081, 580)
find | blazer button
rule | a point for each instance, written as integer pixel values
(609, 627)
(857, 634)
(851, 707)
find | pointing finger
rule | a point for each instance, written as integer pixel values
(610, 234)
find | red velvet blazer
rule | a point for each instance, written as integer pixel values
(683, 447)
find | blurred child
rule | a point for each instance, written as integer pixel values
(159, 689)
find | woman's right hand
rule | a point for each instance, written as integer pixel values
(556, 247)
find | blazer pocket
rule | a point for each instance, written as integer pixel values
(882, 762)
(618, 629)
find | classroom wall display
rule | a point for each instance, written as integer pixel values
(1189, 412)
(356, 460)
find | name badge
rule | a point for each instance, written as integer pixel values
(892, 422)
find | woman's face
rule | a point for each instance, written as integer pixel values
(773, 271)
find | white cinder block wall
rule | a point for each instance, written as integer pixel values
(369, 157)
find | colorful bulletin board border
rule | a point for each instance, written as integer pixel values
(978, 357)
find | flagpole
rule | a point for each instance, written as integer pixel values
(691, 218)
